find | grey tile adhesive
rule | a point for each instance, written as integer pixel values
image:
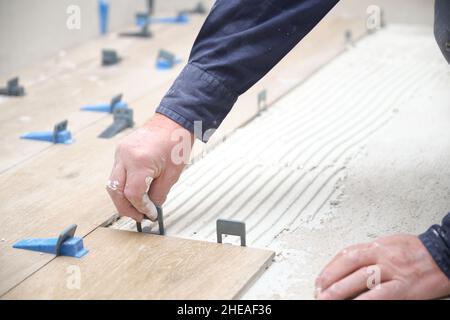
(287, 167)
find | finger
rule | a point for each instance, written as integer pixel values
(161, 186)
(356, 283)
(136, 191)
(346, 262)
(391, 290)
(115, 189)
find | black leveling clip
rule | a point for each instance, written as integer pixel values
(13, 88)
(160, 223)
(110, 57)
(123, 119)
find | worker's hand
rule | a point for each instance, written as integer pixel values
(395, 267)
(148, 162)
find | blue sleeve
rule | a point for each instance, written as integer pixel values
(442, 26)
(240, 41)
(437, 241)
(437, 238)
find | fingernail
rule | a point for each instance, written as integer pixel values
(148, 182)
(150, 207)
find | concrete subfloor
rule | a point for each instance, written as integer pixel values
(397, 182)
(358, 151)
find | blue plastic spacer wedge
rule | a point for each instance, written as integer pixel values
(65, 245)
(116, 103)
(163, 64)
(166, 60)
(72, 247)
(180, 18)
(103, 107)
(143, 19)
(60, 134)
(103, 8)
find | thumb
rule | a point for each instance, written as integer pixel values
(136, 191)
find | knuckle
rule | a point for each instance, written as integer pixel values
(353, 256)
(131, 194)
(323, 280)
(398, 259)
(139, 156)
(136, 153)
(374, 246)
(121, 146)
(343, 252)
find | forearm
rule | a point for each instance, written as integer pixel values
(240, 41)
(437, 241)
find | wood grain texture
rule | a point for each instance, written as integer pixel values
(59, 185)
(131, 265)
(85, 81)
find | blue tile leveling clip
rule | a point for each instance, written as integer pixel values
(103, 8)
(60, 134)
(65, 245)
(116, 103)
(144, 19)
(166, 60)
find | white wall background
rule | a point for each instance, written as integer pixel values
(34, 29)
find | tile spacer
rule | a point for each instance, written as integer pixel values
(67, 233)
(59, 131)
(142, 17)
(160, 222)
(65, 245)
(110, 57)
(180, 18)
(116, 103)
(13, 88)
(230, 227)
(60, 134)
(262, 100)
(123, 119)
(103, 10)
(166, 60)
